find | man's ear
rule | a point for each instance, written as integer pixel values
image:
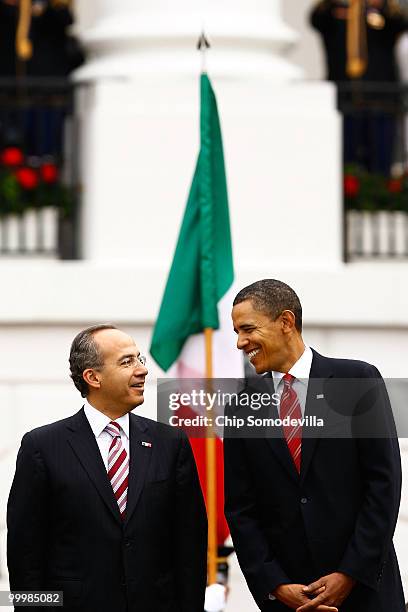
(288, 321)
(92, 377)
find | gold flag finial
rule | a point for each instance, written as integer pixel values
(24, 47)
(357, 55)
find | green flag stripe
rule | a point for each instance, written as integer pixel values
(208, 202)
(202, 268)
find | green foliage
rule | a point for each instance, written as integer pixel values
(15, 199)
(10, 195)
(364, 190)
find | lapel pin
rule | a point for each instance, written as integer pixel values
(320, 396)
(148, 444)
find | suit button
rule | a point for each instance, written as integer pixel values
(304, 500)
(128, 543)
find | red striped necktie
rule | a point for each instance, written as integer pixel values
(118, 466)
(290, 407)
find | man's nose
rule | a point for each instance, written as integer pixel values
(242, 342)
(141, 369)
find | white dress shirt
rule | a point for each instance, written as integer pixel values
(98, 422)
(301, 371)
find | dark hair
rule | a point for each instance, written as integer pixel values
(85, 354)
(272, 297)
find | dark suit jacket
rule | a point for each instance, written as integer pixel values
(340, 513)
(65, 531)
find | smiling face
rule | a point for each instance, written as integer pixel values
(269, 345)
(118, 386)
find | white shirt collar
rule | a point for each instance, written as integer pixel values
(98, 421)
(300, 370)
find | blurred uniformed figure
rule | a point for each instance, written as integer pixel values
(385, 21)
(369, 139)
(54, 51)
(35, 42)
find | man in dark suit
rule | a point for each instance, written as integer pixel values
(312, 513)
(106, 505)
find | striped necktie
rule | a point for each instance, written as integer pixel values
(118, 466)
(290, 407)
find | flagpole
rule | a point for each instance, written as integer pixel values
(210, 446)
(211, 472)
(202, 238)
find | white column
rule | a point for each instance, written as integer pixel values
(134, 37)
(139, 110)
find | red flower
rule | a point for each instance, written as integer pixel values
(395, 185)
(27, 178)
(49, 173)
(351, 185)
(12, 156)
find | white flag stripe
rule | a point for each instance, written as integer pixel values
(227, 359)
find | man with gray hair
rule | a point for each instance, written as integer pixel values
(312, 516)
(106, 505)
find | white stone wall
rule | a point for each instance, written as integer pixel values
(308, 51)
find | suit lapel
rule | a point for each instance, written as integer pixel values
(85, 447)
(140, 456)
(278, 444)
(317, 406)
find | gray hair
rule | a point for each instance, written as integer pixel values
(85, 354)
(272, 297)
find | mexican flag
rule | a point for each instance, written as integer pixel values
(199, 292)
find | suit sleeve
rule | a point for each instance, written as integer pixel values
(259, 566)
(190, 532)
(380, 464)
(27, 520)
